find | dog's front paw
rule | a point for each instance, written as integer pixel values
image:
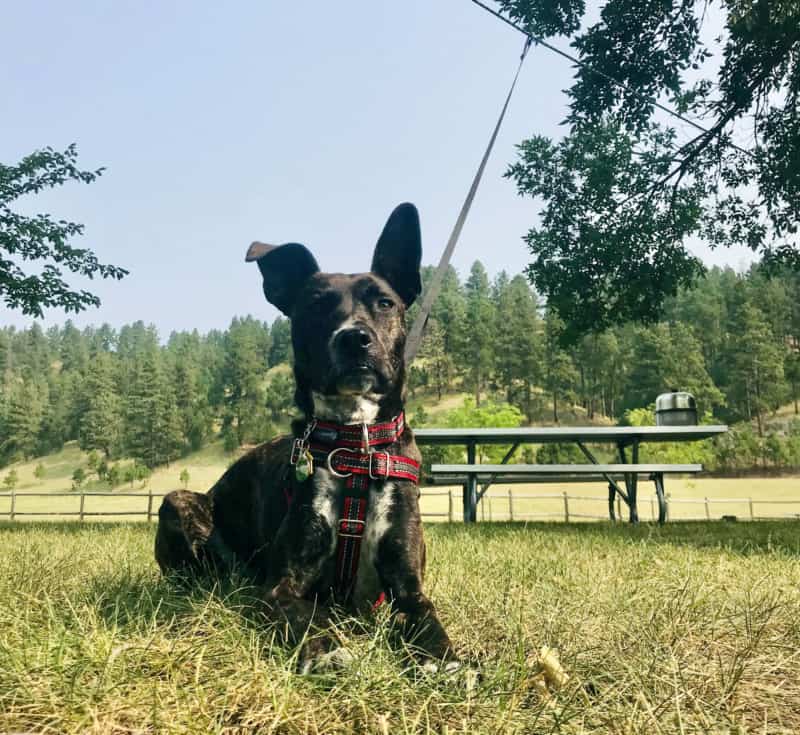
(454, 671)
(317, 657)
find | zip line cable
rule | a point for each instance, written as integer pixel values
(605, 75)
(417, 330)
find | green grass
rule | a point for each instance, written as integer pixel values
(690, 628)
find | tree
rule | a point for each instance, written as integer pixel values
(78, 478)
(184, 478)
(100, 424)
(39, 472)
(11, 480)
(43, 240)
(757, 366)
(152, 428)
(114, 476)
(438, 363)
(624, 189)
(23, 421)
(478, 357)
(246, 347)
(281, 342)
(560, 374)
(518, 342)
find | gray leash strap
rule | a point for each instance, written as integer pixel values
(415, 336)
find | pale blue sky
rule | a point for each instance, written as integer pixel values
(220, 123)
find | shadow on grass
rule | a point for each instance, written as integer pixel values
(746, 538)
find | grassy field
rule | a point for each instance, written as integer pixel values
(690, 628)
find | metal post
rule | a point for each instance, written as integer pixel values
(13, 503)
(634, 512)
(566, 507)
(450, 505)
(708, 511)
(612, 491)
(510, 505)
(149, 504)
(83, 501)
(471, 495)
(750, 503)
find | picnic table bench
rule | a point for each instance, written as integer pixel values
(471, 474)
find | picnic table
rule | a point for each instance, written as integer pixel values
(624, 438)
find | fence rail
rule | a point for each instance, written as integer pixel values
(439, 504)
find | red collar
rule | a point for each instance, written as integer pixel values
(361, 436)
(347, 449)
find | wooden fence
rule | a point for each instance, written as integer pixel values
(441, 504)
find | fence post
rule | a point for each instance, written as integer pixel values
(510, 505)
(652, 509)
(666, 504)
(450, 506)
(750, 503)
(83, 499)
(149, 504)
(708, 511)
(490, 508)
(13, 503)
(619, 508)
(483, 510)
(566, 507)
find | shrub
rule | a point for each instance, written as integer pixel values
(11, 480)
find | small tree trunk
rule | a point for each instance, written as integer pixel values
(555, 407)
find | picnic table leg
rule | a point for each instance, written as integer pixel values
(612, 491)
(471, 489)
(630, 481)
(658, 478)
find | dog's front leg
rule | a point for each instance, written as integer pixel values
(400, 564)
(304, 545)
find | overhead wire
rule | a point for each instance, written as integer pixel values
(578, 62)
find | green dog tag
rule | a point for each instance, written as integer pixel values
(304, 467)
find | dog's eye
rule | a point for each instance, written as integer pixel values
(385, 304)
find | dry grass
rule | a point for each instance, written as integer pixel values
(689, 628)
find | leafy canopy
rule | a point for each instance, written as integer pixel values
(628, 185)
(43, 240)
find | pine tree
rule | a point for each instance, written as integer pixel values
(152, 427)
(281, 342)
(479, 324)
(757, 362)
(517, 342)
(246, 345)
(560, 374)
(23, 419)
(100, 425)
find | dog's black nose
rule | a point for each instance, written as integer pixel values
(353, 341)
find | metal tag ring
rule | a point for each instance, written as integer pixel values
(330, 462)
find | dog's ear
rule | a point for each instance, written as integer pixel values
(285, 268)
(399, 252)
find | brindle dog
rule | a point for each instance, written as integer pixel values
(348, 334)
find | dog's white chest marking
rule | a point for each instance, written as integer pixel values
(345, 409)
(326, 501)
(368, 583)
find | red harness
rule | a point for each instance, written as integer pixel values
(348, 451)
